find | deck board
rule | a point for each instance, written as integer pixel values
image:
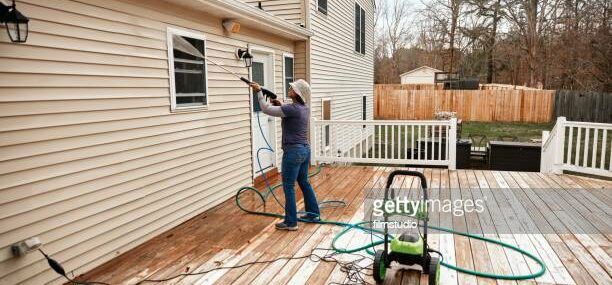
(563, 219)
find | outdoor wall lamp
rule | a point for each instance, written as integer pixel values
(246, 56)
(15, 22)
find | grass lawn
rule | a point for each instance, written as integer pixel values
(493, 130)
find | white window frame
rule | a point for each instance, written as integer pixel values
(170, 31)
(289, 55)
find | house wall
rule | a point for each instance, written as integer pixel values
(337, 70)
(421, 76)
(290, 10)
(92, 161)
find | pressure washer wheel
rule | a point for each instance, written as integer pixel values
(380, 266)
(434, 271)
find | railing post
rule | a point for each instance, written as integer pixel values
(313, 141)
(452, 144)
(544, 157)
(559, 146)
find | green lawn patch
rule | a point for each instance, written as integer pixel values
(493, 130)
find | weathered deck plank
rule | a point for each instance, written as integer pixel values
(567, 220)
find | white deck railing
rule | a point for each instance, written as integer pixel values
(577, 146)
(385, 142)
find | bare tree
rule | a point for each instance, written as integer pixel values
(397, 29)
(446, 16)
(554, 43)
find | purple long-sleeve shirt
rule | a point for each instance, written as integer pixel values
(294, 120)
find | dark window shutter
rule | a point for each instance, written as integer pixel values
(363, 109)
(362, 28)
(357, 27)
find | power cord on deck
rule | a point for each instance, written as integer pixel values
(57, 267)
(356, 273)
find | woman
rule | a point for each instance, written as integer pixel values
(296, 150)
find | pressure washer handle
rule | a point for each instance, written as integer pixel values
(265, 91)
(409, 173)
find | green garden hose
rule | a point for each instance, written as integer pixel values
(368, 247)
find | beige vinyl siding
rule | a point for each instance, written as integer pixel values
(337, 71)
(92, 161)
(300, 60)
(289, 10)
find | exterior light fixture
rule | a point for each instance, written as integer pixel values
(231, 26)
(246, 56)
(15, 22)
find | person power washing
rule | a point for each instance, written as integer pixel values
(296, 150)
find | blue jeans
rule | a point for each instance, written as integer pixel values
(296, 159)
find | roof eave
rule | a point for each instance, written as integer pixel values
(255, 17)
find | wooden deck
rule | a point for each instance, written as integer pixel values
(225, 236)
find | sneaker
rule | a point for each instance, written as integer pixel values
(310, 219)
(283, 226)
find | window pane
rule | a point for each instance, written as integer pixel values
(257, 70)
(357, 27)
(322, 6)
(190, 76)
(288, 73)
(189, 83)
(362, 28)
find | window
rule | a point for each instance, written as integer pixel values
(288, 72)
(326, 113)
(322, 6)
(359, 29)
(188, 79)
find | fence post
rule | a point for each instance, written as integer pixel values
(452, 144)
(313, 141)
(559, 146)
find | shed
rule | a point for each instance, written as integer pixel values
(421, 75)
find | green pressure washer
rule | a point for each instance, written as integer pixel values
(408, 248)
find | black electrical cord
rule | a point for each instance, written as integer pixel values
(355, 273)
(57, 267)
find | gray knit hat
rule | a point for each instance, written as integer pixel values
(301, 88)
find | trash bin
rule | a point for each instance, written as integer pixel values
(463, 153)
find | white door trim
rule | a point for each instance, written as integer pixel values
(254, 49)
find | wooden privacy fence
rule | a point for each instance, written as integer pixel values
(584, 106)
(533, 106)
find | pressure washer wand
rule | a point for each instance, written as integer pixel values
(183, 45)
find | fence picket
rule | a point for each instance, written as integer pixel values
(399, 102)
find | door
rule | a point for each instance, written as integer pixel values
(263, 125)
